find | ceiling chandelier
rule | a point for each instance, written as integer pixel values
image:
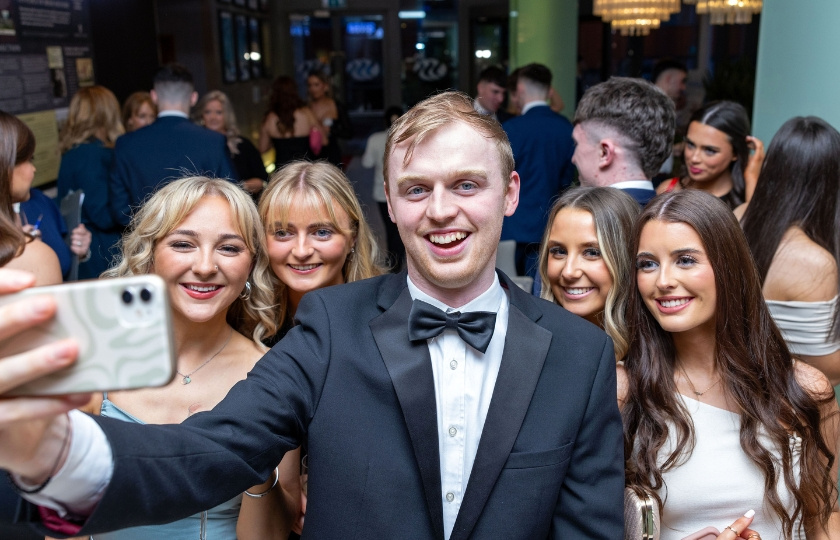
(728, 11)
(635, 17)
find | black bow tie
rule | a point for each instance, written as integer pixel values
(475, 327)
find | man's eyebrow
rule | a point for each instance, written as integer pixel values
(461, 173)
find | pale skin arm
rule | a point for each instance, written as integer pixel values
(40, 260)
(269, 127)
(753, 168)
(813, 381)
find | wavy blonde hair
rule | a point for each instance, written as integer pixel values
(94, 112)
(614, 213)
(320, 186)
(231, 129)
(168, 207)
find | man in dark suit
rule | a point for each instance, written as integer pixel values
(542, 148)
(623, 132)
(169, 148)
(439, 403)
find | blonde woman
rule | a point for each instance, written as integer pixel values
(317, 237)
(87, 142)
(215, 112)
(204, 238)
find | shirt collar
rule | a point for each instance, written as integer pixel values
(489, 300)
(533, 104)
(634, 184)
(172, 112)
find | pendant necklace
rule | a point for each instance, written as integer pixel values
(691, 384)
(186, 378)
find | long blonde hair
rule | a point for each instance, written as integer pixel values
(168, 207)
(319, 185)
(614, 213)
(231, 129)
(94, 112)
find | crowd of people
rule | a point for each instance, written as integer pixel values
(681, 340)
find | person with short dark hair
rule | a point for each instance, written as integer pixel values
(670, 75)
(172, 146)
(542, 148)
(624, 130)
(490, 93)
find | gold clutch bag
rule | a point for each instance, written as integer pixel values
(641, 515)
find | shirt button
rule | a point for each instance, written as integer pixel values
(450, 497)
(453, 431)
(453, 364)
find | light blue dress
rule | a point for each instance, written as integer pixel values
(218, 523)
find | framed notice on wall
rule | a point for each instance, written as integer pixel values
(243, 54)
(227, 46)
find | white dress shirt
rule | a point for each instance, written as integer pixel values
(464, 382)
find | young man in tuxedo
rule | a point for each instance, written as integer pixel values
(442, 402)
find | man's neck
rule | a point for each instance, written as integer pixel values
(533, 103)
(454, 297)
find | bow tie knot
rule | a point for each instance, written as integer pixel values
(475, 327)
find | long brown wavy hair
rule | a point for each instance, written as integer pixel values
(284, 101)
(17, 145)
(754, 363)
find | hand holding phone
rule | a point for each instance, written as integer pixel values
(122, 327)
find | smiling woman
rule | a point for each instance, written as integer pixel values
(204, 238)
(717, 409)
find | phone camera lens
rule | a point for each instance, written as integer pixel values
(127, 297)
(145, 295)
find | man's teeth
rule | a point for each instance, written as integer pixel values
(447, 238)
(674, 303)
(303, 267)
(206, 288)
(578, 291)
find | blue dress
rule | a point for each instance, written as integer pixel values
(87, 166)
(218, 523)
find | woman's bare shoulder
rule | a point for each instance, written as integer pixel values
(39, 259)
(801, 270)
(621, 385)
(812, 379)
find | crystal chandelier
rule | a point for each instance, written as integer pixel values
(635, 17)
(728, 11)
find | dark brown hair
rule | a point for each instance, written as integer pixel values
(17, 145)
(755, 366)
(284, 102)
(798, 186)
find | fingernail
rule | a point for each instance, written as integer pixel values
(40, 305)
(749, 514)
(62, 352)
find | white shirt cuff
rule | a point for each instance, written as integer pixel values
(78, 486)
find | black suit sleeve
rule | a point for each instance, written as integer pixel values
(591, 502)
(168, 472)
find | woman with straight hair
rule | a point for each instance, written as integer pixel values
(203, 236)
(717, 153)
(720, 419)
(19, 250)
(585, 264)
(87, 142)
(215, 112)
(290, 126)
(792, 225)
(317, 237)
(330, 112)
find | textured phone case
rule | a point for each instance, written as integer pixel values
(121, 345)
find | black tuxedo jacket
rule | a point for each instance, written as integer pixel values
(165, 150)
(549, 462)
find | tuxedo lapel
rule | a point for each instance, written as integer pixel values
(526, 346)
(410, 368)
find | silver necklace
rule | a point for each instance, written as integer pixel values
(186, 378)
(691, 384)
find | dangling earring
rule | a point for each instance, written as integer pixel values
(246, 293)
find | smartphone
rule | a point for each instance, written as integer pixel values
(123, 327)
